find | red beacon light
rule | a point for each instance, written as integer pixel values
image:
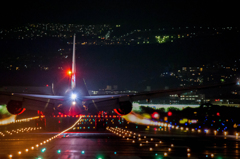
(69, 72)
(169, 113)
(218, 114)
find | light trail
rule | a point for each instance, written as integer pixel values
(47, 140)
(139, 119)
(8, 120)
(12, 119)
(28, 119)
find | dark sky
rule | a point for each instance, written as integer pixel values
(151, 12)
(133, 13)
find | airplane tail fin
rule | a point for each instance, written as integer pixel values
(85, 88)
(73, 79)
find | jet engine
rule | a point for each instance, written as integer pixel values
(124, 108)
(15, 107)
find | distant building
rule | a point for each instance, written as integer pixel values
(108, 87)
(105, 91)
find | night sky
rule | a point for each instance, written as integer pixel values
(134, 12)
(129, 66)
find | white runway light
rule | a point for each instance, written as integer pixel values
(73, 96)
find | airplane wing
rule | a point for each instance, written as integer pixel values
(123, 101)
(154, 94)
(120, 102)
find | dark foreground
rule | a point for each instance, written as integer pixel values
(109, 145)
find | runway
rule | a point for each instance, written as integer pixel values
(109, 145)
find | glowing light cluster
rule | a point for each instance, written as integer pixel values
(161, 40)
(87, 116)
(123, 132)
(2, 134)
(28, 119)
(48, 140)
(141, 120)
(8, 120)
(12, 119)
(27, 129)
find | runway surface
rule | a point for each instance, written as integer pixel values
(109, 145)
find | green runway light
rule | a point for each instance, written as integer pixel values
(83, 152)
(58, 151)
(115, 153)
(158, 156)
(43, 150)
(100, 157)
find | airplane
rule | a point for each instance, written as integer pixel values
(74, 103)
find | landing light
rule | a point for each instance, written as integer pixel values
(73, 103)
(73, 96)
